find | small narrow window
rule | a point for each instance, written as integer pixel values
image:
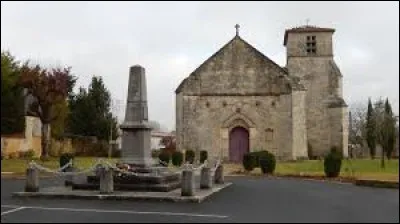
(311, 45)
(270, 134)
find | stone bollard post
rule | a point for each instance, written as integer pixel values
(219, 175)
(206, 180)
(32, 180)
(68, 178)
(188, 183)
(106, 180)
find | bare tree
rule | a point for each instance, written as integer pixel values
(357, 132)
(385, 127)
(357, 126)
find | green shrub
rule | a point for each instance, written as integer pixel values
(155, 153)
(203, 156)
(189, 156)
(116, 153)
(249, 161)
(267, 162)
(333, 163)
(257, 156)
(177, 158)
(337, 150)
(165, 157)
(65, 158)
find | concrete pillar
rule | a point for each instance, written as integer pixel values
(219, 175)
(206, 180)
(106, 181)
(188, 183)
(32, 180)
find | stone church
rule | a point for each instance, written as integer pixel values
(240, 101)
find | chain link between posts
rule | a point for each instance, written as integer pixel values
(105, 164)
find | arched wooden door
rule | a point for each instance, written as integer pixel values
(238, 144)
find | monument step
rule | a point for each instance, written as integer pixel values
(129, 179)
(163, 187)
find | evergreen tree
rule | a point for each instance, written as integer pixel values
(370, 126)
(12, 99)
(91, 112)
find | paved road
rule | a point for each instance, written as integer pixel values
(247, 200)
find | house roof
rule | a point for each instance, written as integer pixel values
(305, 29)
(236, 38)
(161, 134)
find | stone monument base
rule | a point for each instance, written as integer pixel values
(171, 196)
(157, 179)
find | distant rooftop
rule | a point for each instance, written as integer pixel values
(305, 29)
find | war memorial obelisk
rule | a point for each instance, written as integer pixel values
(136, 148)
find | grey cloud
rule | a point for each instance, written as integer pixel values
(170, 39)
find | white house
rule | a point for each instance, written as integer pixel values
(156, 137)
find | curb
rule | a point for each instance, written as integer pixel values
(377, 183)
(72, 195)
(15, 176)
(357, 182)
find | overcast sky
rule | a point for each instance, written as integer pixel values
(171, 39)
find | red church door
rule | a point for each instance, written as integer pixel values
(238, 144)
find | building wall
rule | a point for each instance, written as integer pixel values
(299, 143)
(208, 127)
(323, 81)
(237, 86)
(29, 140)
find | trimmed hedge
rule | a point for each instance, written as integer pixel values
(189, 156)
(333, 163)
(249, 161)
(65, 158)
(177, 158)
(203, 156)
(165, 157)
(258, 155)
(267, 162)
(155, 153)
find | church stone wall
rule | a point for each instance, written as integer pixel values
(322, 81)
(208, 127)
(313, 72)
(299, 143)
(296, 44)
(339, 128)
(238, 86)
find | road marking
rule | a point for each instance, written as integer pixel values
(121, 211)
(12, 210)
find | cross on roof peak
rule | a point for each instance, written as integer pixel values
(237, 26)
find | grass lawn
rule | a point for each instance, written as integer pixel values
(19, 166)
(360, 168)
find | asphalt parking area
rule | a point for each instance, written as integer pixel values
(42, 214)
(247, 200)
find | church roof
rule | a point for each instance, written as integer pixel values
(236, 38)
(305, 29)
